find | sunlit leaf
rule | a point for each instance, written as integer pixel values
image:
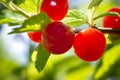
(94, 3)
(73, 68)
(5, 1)
(27, 8)
(109, 60)
(82, 73)
(41, 58)
(5, 20)
(75, 18)
(7, 16)
(31, 6)
(106, 14)
(4, 70)
(18, 1)
(34, 23)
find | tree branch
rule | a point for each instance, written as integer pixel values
(104, 30)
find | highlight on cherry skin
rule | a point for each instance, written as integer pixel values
(112, 21)
(35, 36)
(89, 44)
(57, 38)
(56, 9)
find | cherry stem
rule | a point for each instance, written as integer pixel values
(104, 30)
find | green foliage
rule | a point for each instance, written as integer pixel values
(106, 14)
(110, 62)
(94, 3)
(41, 57)
(18, 1)
(5, 1)
(9, 68)
(74, 69)
(33, 23)
(6, 16)
(92, 9)
(75, 18)
(4, 70)
(31, 6)
(66, 68)
(24, 5)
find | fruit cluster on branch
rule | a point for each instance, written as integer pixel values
(51, 29)
(57, 38)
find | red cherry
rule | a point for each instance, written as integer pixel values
(56, 9)
(89, 44)
(112, 21)
(57, 38)
(35, 36)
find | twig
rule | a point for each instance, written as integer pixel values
(104, 30)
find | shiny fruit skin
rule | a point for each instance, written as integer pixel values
(112, 21)
(89, 44)
(57, 38)
(56, 9)
(35, 36)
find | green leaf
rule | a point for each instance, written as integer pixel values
(33, 23)
(75, 18)
(109, 61)
(5, 1)
(94, 3)
(78, 70)
(18, 1)
(31, 6)
(6, 16)
(106, 14)
(26, 8)
(41, 57)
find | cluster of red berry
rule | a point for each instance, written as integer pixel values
(57, 38)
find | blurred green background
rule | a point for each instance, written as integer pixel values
(16, 51)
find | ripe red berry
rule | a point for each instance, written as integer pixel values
(56, 9)
(112, 21)
(89, 44)
(57, 38)
(35, 36)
